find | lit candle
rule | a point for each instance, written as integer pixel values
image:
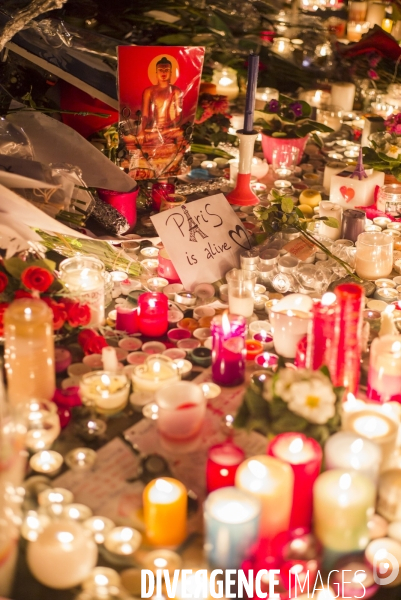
(33, 524)
(241, 286)
(374, 255)
(356, 30)
(154, 373)
(51, 496)
(98, 527)
(387, 25)
(43, 425)
(289, 319)
(123, 541)
(389, 495)
(345, 367)
(152, 314)
(101, 582)
(349, 406)
(253, 348)
(330, 209)
(62, 556)
(266, 360)
(232, 523)
(222, 463)
(164, 504)
(272, 481)
(384, 379)
(343, 502)
(374, 426)
(304, 455)
(182, 408)
(107, 392)
(83, 278)
(228, 359)
(80, 459)
(384, 555)
(387, 325)
(346, 450)
(264, 95)
(47, 462)
(162, 559)
(321, 332)
(76, 512)
(29, 351)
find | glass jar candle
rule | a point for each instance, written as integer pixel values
(43, 425)
(182, 409)
(223, 461)
(384, 379)
(152, 314)
(228, 352)
(107, 392)
(83, 279)
(264, 95)
(165, 512)
(241, 285)
(374, 255)
(330, 115)
(389, 199)
(356, 30)
(29, 350)
(154, 373)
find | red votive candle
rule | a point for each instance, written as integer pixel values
(321, 332)
(228, 350)
(345, 361)
(305, 457)
(222, 463)
(152, 314)
(160, 191)
(127, 319)
(166, 268)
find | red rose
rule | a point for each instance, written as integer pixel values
(91, 342)
(59, 312)
(3, 281)
(97, 344)
(36, 278)
(78, 315)
(85, 335)
(22, 294)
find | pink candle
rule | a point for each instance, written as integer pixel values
(166, 268)
(127, 319)
(228, 354)
(345, 357)
(321, 332)
(305, 457)
(152, 314)
(124, 202)
(384, 379)
(222, 463)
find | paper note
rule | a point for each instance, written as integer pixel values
(300, 248)
(203, 239)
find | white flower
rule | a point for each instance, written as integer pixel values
(392, 151)
(285, 379)
(312, 399)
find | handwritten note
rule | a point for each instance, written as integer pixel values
(203, 239)
(300, 248)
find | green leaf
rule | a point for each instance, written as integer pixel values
(299, 212)
(217, 25)
(242, 416)
(256, 404)
(388, 158)
(15, 267)
(175, 39)
(287, 204)
(331, 222)
(279, 134)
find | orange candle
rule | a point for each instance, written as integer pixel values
(29, 350)
(165, 512)
(253, 348)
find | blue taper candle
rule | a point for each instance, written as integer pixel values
(253, 67)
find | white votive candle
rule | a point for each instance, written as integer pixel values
(123, 541)
(62, 556)
(47, 462)
(377, 427)
(99, 527)
(346, 450)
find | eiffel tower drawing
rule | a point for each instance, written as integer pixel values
(359, 169)
(193, 227)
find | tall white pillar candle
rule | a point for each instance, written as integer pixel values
(343, 94)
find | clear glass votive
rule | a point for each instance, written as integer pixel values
(374, 255)
(182, 408)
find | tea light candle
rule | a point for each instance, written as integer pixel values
(80, 459)
(33, 524)
(386, 294)
(150, 252)
(232, 523)
(156, 372)
(266, 360)
(43, 425)
(51, 496)
(99, 527)
(272, 481)
(156, 284)
(185, 299)
(384, 555)
(304, 455)
(210, 390)
(76, 512)
(253, 348)
(376, 305)
(62, 556)
(350, 406)
(152, 314)
(108, 392)
(228, 353)
(374, 426)
(123, 541)
(348, 499)
(382, 222)
(222, 464)
(356, 30)
(346, 450)
(47, 462)
(183, 366)
(384, 378)
(265, 338)
(162, 559)
(164, 503)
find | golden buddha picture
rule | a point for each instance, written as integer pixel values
(156, 127)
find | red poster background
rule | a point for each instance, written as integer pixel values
(136, 72)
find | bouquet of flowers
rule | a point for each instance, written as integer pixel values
(292, 400)
(288, 118)
(35, 279)
(212, 122)
(385, 154)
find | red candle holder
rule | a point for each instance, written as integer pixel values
(160, 191)
(127, 319)
(305, 457)
(166, 268)
(345, 361)
(152, 314)
(321, 332)
(124, 202)
(228, 354)
(222, 463)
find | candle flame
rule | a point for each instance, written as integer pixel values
(290, 313)
(84, 273)
(65, 537)
(225, 323)
(328, 299)
(257, 469)
(163, 486)
(156, 367)
(357, 446)
(296, 445)
(105, 379)
(351, 398)
(396, 347)
(160, 563)
(345, 481)
(126, 534)
(101, 580)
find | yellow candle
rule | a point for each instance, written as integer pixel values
(375, 426)
(387, 25)
(343, 503)
(165, 512)
(29, 351)
(272, 481)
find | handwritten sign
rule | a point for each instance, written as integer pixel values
(300, 248)
(203, 239)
